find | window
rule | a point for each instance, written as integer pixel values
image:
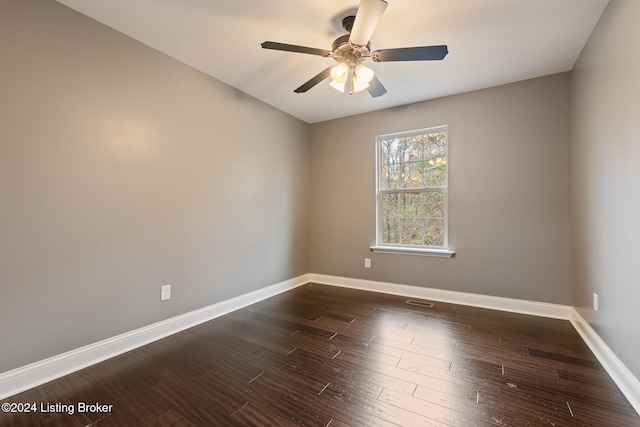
(412, 192)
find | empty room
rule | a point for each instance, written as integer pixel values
(339, 213)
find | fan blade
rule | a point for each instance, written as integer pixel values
(294, 48)
(422, 53)
(367, 19)
(314, 81)
(375, 88)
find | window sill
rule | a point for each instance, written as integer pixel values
(442, 253)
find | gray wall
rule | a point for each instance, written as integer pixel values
(509, 193)
(605, 155)
(122, 170)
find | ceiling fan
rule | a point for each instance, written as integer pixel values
(351, 50)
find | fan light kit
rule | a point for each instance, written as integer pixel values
(351, 50)
(361, 76)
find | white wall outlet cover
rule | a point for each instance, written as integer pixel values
(165, 292)
(367, 262)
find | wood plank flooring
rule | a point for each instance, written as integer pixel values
(326, 356)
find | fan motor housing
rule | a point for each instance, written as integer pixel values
(348, 53)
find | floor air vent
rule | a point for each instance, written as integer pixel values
(420, 303)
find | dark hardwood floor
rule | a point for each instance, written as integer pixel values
(327, 356)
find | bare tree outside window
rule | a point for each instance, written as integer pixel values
(412, 188)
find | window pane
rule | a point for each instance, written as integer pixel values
(416, 161)
(413, 218)
(434, 232)
(413, 149)
(434, 204)
(390, 176)
(391, 230)
(411, 205)
(412, 175)
(435, 157)
(412, 231)
(389, 151)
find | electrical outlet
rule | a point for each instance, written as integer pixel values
(595, 301)
(367, 263)
(165, 292)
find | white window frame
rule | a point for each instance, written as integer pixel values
(438, 251)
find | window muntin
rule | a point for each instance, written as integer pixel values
(412, 188)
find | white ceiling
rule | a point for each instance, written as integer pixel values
(491, 42)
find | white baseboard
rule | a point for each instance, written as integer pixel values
(35, 374)
(541, 309)
(624, 379)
